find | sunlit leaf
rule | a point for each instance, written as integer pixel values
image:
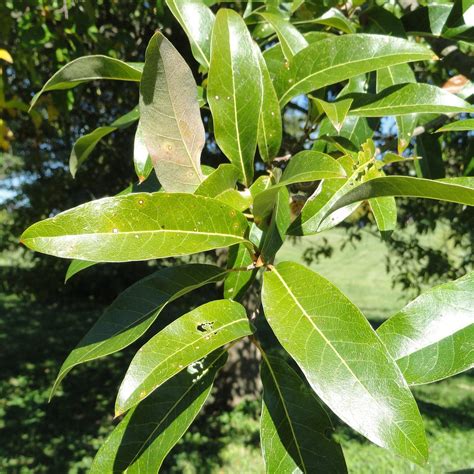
(432, 337)
(170, 119)
(138, 226)
(342, 358)
(235, 100)
(86, 144)
(197, 21)
(339, 58)
(183, 342)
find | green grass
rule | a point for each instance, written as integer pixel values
(62, 437)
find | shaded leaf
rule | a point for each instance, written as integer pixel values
(197, 21)
(138, 226)
(431, 164)
(134, 311)
(170, 119)
(336, 19)
(147, 433)
(75, 267)
(237, 282)
(295, 429)
(184, 341)
(342, 358)
(90, 68)
(84, 146)
(432, 337)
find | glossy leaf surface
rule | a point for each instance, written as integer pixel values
(458, 190)
(170, 119)
(186, 340)
(336, 111)
(295, 429)
(235, 100)
(389, 76)
(335, 59)
(406, 99)
(458, 126)
(141, 158)
(220, 180)
(432, 337)
(237, 282)
(269, 134)
(134, 310)
(197, 21)
(138, 226)
(86, 144)
(75, 267)
(291, 40)
(305, 166)
(147, 433)
(90, 68)
(342, 358)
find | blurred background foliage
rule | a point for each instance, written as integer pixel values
(42, 318)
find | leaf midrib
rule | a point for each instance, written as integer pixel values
(285, 410)
(160, 364)
(339, 356)
(340, 65)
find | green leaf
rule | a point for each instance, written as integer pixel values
(291, 40)
(427, 20)
(401, 73)
(86, 144)
(197, 21)
(147, 433)
(269, 133)
(339, 58)
(295, 429)
(314, 216)
(342, 358)
(458, 126)
(184, 341)
(460, 23)
(135, 310)
(223, 178)
(336, 111)
(138, 226)
(406, 99)
(431, 165)
(141, 159)
(239, 200)
(305, 166)
(90, 68)
(431, 338)
(458, 190)
(235, 100)
(170, 118)
(274, 234)
(237, 282)
(336, 19)
(75, 267)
